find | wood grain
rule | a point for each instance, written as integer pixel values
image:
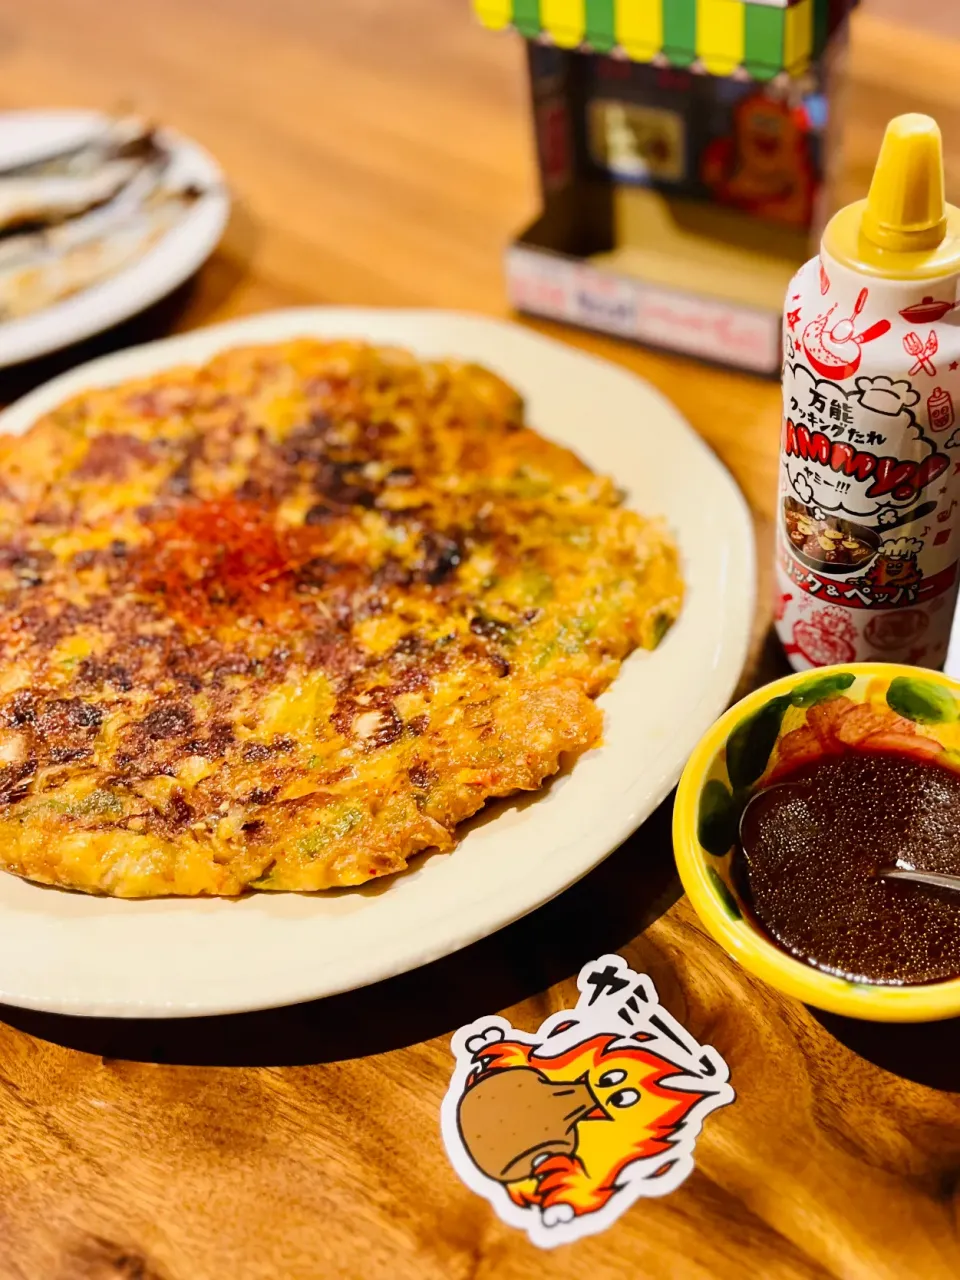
(379, 154)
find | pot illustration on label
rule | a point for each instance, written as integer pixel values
(927, 311)
(838, 547)
(870, 447)
(835, 352)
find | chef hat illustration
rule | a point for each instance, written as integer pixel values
(900, 548)
(883, 395)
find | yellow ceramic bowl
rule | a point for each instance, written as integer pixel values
(735, 757)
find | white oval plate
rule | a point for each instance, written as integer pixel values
(69, 953)
(173, 259)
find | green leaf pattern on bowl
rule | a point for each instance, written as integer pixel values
(750, 744)
(718, 818)
(818, 689)
(923, 701)
(727, 900)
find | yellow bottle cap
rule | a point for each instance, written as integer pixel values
(905, 228)
(906, 208)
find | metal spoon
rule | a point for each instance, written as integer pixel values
(757, 795)
(937, 878)
(902, 871)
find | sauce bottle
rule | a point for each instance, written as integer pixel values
(868, 508)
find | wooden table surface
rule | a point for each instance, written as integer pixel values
(379, 154)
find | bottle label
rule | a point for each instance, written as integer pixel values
(867, 512)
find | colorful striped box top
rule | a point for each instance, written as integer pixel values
(758, 38)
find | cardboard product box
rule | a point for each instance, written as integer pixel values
(683, 148)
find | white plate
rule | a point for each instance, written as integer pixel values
(173, 259)
(74, 954)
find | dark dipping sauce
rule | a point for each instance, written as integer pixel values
(810, 852)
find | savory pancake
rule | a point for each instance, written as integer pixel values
(282, 621)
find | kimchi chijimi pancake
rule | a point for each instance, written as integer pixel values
(282, 621)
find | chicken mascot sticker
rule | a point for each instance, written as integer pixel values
(564, 1129)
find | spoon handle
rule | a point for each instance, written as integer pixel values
(937, 878)
(908, 517)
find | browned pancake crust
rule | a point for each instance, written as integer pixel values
(284, 620)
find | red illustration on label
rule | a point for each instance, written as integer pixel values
(940, 409)
(921, 351)
(824, 280)
(877, 590)
(836, 352)
(926, 311)
(895, 630)
(895, 574)
(825, 637)
(780, 608)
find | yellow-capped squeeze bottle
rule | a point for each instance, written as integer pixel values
(868, 509)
